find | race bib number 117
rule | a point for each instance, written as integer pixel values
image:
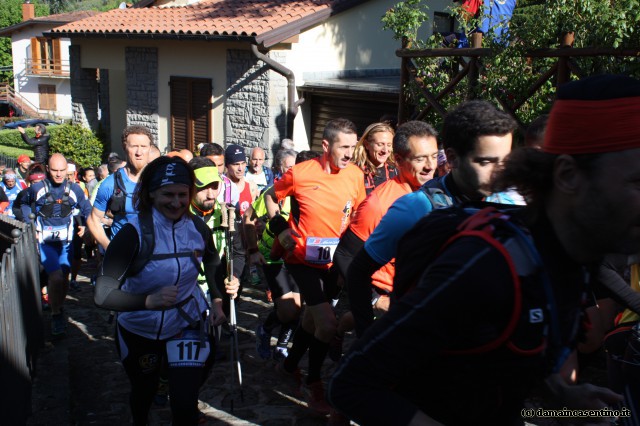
(187, 352)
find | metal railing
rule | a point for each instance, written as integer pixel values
(21, 328)
(48, 68)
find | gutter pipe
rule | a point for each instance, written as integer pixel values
(293, 104)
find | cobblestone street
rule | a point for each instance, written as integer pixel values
(80, 379)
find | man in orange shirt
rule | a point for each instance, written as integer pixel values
(327, 190)
(415, 148)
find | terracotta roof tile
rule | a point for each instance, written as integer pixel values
(248, 18)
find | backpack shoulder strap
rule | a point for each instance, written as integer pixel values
(119, 182)
(520, 256)
(147, 243)
(437, 197)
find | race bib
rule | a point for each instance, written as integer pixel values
(50, 234)
(188, 350)
(320, 250)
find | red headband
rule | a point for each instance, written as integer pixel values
(591, 127)
(36, 176)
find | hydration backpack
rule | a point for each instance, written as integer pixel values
(65, 205)
(493, 223)
(118, 199)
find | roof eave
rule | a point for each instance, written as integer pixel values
(280, 34)
(151, 36)
(8, 31)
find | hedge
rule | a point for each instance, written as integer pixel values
(71, 140)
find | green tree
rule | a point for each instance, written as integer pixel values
(11, 14)
(508, 73)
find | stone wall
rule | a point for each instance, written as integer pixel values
(278, 103)
(247, 108)
(142, 87)
(84, 91)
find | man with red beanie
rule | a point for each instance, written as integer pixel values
(496, 311)
(23, 166)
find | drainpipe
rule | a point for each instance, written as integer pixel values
(293, 104)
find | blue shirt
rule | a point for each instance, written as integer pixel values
(407, 210)
(105, 191)
(12, 194)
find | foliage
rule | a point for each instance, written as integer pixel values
(405, 18)
(72, 140)
(11, 14)
(508, 73)
(77, 143)
(14, 152)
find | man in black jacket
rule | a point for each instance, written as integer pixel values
(40, 143)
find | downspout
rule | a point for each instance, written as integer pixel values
(293, 104)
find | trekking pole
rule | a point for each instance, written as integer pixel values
(234, 347)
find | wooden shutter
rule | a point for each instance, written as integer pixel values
(35, 55)
(190, 112)
(179, 112)
(200, 111)
(47, 93)
(57, 57)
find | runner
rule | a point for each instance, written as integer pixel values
(228, 193)
(425, 362)
(162, 311)
(235, 161)
(416, 151)
(116, 191)
(284, 290)
(257, 172)
(373, 155)
(476, 137)
(327, 190)
(53, 201)
(205, 205)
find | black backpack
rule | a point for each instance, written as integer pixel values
(65, 205)
(118, 199)
(498, 225)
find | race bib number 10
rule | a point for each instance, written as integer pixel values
(321, 250)
(187, 351)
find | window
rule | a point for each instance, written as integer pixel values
(45, 56)
(47, 96)
(190, 112)
(443, 23)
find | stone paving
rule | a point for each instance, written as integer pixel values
(80, 380)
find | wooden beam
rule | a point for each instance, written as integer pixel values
(442, 52)
(535, 86)
(580, 51)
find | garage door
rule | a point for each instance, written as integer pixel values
(362, 111)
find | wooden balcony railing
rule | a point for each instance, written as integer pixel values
(48, 68)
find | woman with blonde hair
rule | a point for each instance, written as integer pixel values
(373, 155)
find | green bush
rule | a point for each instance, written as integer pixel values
(77, 143)
(14, 152)
(71, 140)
